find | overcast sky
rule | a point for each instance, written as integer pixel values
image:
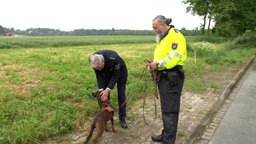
(68, 15)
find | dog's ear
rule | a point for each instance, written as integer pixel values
(94, 94)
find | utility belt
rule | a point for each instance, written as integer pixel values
(177, 68)
(172, 74)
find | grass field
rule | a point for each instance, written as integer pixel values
(60, 41)
(46, 82)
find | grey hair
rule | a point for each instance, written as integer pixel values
(162, 19)
(96, 59)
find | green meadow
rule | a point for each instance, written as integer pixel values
(60, 41)
(46, 82)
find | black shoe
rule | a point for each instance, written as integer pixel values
(158, 138)
(123, 124)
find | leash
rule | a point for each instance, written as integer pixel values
(154, 74)
(141, 75)
(145, 95)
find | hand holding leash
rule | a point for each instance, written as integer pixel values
(152, 66)
(148, 65)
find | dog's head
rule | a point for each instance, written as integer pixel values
(105, 103)
(97, 94)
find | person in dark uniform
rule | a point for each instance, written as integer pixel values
(110, 69)
(169, 56)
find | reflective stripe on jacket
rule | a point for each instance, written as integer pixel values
(171, 50)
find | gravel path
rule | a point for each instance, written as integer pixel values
(193, 108)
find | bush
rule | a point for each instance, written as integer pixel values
(203, 49)
(248, 39)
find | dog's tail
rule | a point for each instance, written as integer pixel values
(90, 135)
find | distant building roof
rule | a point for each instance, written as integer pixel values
(10, 33)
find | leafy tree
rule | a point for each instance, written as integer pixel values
(236, 18)
(222, 17)
(186, 32)
(244, 17)
(201, 8)
(2, 31)
(232, 17)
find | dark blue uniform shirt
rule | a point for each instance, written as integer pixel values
(111, 72)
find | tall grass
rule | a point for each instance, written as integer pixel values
(213, 56)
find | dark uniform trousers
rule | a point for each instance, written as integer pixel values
(121, 90)
(170, 87)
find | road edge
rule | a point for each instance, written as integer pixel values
(207, 119)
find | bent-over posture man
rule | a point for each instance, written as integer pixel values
(110, 69)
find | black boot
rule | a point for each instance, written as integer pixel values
(123, 124)
(158, 138)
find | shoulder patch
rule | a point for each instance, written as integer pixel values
(117, 67)
(174, 46)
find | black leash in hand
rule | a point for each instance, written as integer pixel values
(145, 87)
(131, 94)
(154, 74)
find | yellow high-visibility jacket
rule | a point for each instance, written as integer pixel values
(171, 50)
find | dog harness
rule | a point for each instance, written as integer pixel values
(108, 108)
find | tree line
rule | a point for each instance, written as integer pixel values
(231, 17)
(86, 32)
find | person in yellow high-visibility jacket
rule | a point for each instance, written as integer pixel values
(169, 56)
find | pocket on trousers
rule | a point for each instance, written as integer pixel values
(172, 102)
(173, 79)
(172, 76)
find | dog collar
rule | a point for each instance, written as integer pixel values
(108, 108)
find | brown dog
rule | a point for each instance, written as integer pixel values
(101, 118)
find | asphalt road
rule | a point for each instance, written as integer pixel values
(238, 126)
